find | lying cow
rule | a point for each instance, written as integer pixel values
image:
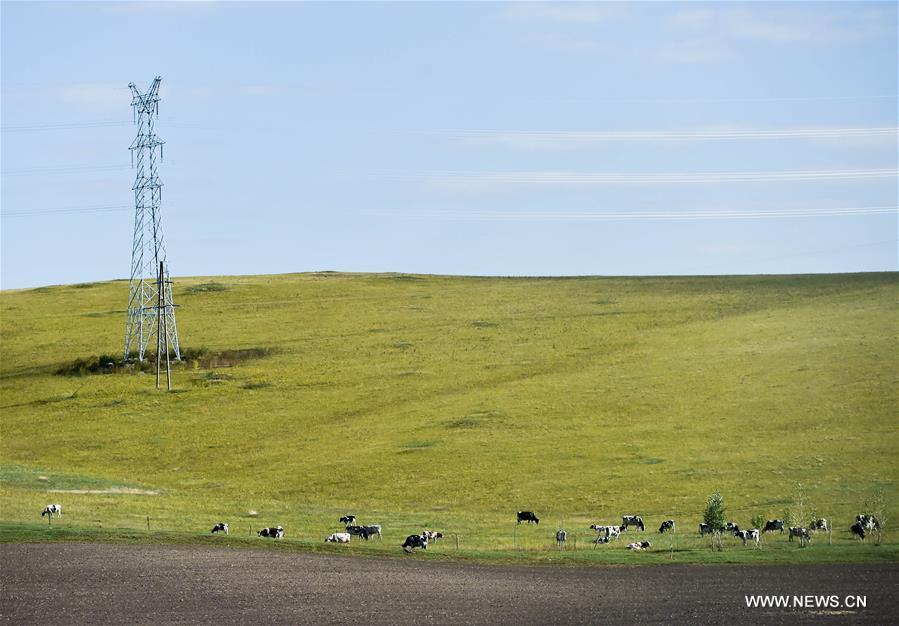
(642, 545)
(275, 532)
(221, 527)
(348, 520)
(50, 509)
(431, 535)
(599, 540)
(857, 530)
(802, 533)
(527, 516)
(818, 524)
(773, 524)
(338, 538)
(415, 541)
(632, 520)
(752, 534)
(668, 524)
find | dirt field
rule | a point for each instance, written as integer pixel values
(115, 584)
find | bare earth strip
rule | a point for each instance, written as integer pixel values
(115, 584)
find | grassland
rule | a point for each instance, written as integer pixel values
(450, 403)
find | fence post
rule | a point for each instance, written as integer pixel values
(830, 532)
(148, 522)
(49, 518)
(514, 533)
(457, 542)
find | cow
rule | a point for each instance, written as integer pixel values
(338, 538)
(527, 516)
(600, 539)
(730, 527)
(611, 532)
(632, 520)
(642, 545)
(818, 524)
(276, 532)
(668, 524)
(348, 520)
(431, 536)
(802, 533)
(561, 536)
(359, 531)
(857, 530)
(50, 509)
(704, 529)
(752, 534)
(773, 524)
(868, 522)
(415, 541)
(371, 531)
(221, 527)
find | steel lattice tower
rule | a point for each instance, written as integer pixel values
(148, 249)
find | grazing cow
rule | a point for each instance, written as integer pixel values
(348, 520)
(858, 530)
(632, 520)
(818, 524)
(50, 509)
(730, 527)
(642, 545)
(752, 534)
(611, 532)
(773, 524)
(371, 531)
(802, 533)
(668, 524)
(868, 522)
(360, 531)
(221, 527)
(338, 538)
(431, 535)
(704, 529)
(415, 541)
(275, 532)
(561, 536)
(527, 516)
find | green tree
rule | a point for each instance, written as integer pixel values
(714, 517)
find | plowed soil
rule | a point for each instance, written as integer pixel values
(68, 583)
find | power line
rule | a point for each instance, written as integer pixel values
(586, 136)
(75, 169)
(67, 210)
(14, 128)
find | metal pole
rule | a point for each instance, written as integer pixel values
(159, 301)
(165, 328)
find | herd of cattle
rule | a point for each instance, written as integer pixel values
(863, 525)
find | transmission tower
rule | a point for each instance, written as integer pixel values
(146, 305)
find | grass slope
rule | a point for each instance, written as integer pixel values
(447, 402)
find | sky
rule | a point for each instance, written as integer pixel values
(453, 138)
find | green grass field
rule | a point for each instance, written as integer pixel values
(450, 403)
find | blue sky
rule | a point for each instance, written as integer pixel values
(456, 138)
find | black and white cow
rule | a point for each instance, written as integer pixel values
(857, 530)
(752, 534)
(431, 535)
(527, 516)
(348, 520)
(632, 520)
(730, 527)
(275, 532)
(415, 541)
(359, 531)
(610, 532)
(371, 531)
(704, 529)
(221, 527)
(561, 536)
(642, 545)
(52, 509)
(868, 522)
(802, 533)
(818, 524)
(668, 524)
(773, 524)
(599, 540)
(338, 538)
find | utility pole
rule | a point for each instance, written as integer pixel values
(147, 292)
